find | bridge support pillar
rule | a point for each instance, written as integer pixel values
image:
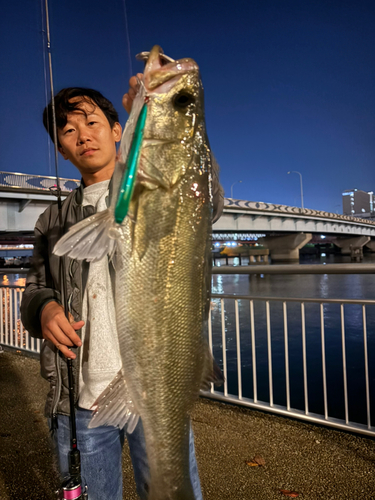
(285, 247)
(371, 245)
(352, 246)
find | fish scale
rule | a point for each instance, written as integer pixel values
(169, 372)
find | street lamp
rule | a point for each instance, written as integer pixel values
(231, 188)
(300, 178)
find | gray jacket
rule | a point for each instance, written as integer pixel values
(44, 284)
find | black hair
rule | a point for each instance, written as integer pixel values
(63, 106)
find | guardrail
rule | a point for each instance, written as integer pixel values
(293, 356)
(260, 206)
(290, 356)
(12, 180)
(12, 332)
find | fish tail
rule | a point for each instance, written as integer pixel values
(90, 239)
(185, 492)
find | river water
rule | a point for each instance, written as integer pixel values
(300, 286)
(295, 286)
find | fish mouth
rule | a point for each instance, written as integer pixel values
(162, 72)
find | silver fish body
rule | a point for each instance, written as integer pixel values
(162, 260)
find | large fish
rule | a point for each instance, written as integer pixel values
(162, 258)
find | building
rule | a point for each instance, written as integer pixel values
(358, 203)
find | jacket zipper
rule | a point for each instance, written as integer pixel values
(56, 397)
(70, 298)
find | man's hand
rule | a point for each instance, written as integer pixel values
(127, 100)
(57, 329)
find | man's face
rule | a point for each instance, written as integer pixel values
(88, 140)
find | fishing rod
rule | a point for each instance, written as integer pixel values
(71, 488)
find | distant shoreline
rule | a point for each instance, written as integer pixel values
(14, 270)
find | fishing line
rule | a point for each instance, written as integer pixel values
(48, 40)
(46, 85)
(127, 38)
(71, 487)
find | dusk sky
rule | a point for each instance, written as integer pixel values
(289, 84)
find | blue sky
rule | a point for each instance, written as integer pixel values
(289, 84)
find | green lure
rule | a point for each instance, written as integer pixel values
(128, 181)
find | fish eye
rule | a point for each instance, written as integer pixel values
(182, 100)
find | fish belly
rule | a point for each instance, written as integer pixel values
(160, 310)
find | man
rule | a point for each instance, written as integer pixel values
(87, 133)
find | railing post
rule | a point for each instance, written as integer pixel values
(238, 345)
(324, 368)
(224, 348)
(286, 352)
(305, 389)
(366, 367)
(269, 350)
(344, 364)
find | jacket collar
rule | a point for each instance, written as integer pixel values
(81, 187)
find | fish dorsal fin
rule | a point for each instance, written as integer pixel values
(115, 407)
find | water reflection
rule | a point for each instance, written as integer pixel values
(299, 286)
(217, 284)
(13, 279)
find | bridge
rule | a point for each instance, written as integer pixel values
(285, 229)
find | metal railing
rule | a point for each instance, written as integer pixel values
(289, 356)
(12, 180)
(12, 332)
(260, 206)
(273, 352)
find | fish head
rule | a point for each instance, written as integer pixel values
(174, 133)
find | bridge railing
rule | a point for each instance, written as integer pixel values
(298, 357)
(276, 208)
(11, 180)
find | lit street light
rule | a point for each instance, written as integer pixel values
(231, 188)
(300, 178)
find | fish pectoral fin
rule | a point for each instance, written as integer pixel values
(212, 373)
(149, 176)
(115, 407)
(90, 239)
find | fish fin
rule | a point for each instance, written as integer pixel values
(90, 239)
(115, 407)
(162, 492)
(212, 373)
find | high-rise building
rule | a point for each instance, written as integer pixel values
(357, 203)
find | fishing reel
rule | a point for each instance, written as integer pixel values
(72, 489)
(73, 486)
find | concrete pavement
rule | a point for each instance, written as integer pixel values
(313, 461)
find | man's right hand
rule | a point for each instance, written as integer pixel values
(128, 98)
(57, 329)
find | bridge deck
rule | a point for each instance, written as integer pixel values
(314, 461)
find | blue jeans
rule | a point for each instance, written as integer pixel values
(101, 457)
